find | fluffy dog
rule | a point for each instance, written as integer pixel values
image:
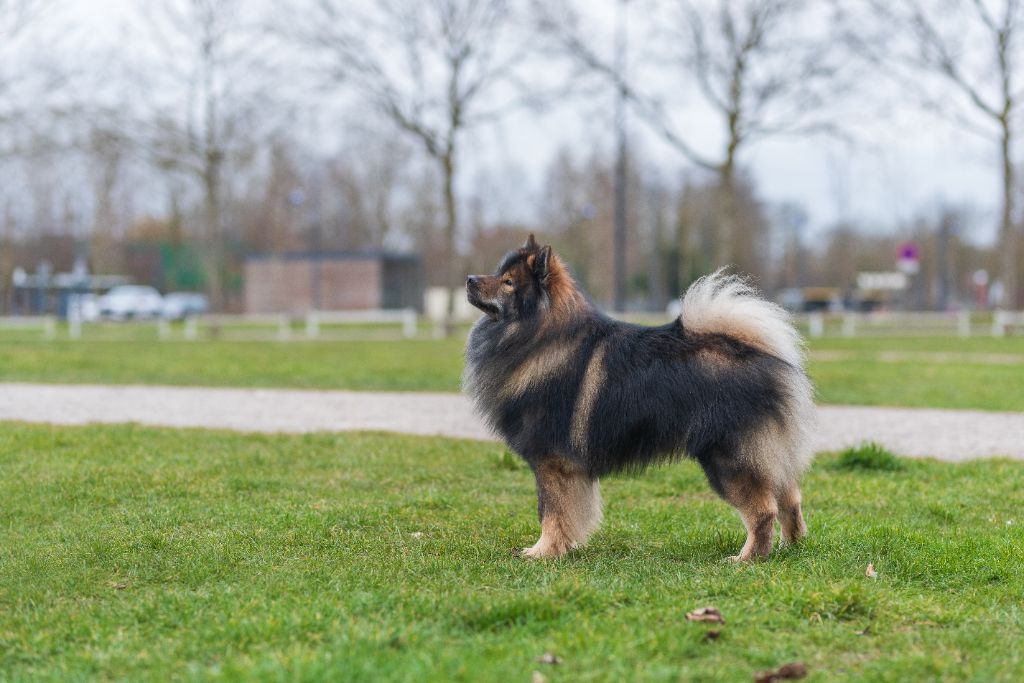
(579, 395)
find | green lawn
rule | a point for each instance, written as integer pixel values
(131, 553)
(849, 371)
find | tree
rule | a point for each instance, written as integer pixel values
(435, 69)
(16, 19)
(962, 59)
(764, 68)
(204, 105)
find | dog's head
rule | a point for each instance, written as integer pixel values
(529, 280)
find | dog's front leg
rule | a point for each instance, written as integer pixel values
(569, 504)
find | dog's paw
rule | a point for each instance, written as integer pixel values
(546, 550)
(745, 558)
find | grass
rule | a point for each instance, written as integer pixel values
(859, 374)
(920, 384)
(132, 553)
(369, 365)
(869, 456)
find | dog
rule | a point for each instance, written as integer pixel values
(579, 395)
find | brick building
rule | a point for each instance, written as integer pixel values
(296, 282)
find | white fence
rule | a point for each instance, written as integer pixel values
(281, 326)
(918, 323)
(312, 325)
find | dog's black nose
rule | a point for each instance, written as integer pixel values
(471, 280)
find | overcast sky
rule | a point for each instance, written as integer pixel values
(903, 166)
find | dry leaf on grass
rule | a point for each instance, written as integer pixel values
(549, 658)
(706, 614)
(538, 677)
(870, 571)
(712, 635)
(786, 672)
(118, 585)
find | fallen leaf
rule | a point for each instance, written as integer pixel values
(118, 585)
(417, 534)
(786, 672)
(866, 631)
(870, 571)
(549, 658)
(538, 677)
(712, 635)
(706, 614)
(791, 671)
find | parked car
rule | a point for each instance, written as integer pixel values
(181, 305)
(131, 301)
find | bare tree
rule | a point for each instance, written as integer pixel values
(765, 68)
(203, 107)
(435, 69)
(964, 60)
(16, 17)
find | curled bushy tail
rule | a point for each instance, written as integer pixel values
(727, 304)
(722, 303)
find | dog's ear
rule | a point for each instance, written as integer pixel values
(531, 243)
(542, 264)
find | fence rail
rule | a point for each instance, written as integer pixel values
(899, 323)
(311, 325)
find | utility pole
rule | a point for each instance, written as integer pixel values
(620, 227)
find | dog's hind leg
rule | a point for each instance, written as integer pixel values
(569, 503)
(758, 508)
(791, 518)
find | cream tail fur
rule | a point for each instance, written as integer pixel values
(727, 304)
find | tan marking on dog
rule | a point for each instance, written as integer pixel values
(757, 507)
(539, 367)
(791, 517)
(572, 508)
(593, 381)
(566, 298)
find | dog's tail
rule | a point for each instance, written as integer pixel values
(727, 304)
(723, 303)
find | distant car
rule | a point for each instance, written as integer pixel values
(131, 301)
(181, 305)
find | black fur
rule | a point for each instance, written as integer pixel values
(666, 392)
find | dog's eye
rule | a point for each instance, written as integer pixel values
(507, 282)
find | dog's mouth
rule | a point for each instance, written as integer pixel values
(487, 307)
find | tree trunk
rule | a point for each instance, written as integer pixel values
(455, 273)
(726, 210)
(213, 257)
(1007, 232)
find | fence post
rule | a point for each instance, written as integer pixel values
(998, 324)
(409, 323)
(163, 328)
(964, 323)
(849, 324)
(312, 324)
(74, 320)
(49, 328)
(816, 324)
(284, 327)
(190, 328)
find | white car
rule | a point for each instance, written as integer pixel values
(131, 301)
(181, 305)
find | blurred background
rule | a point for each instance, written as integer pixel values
(336, 162)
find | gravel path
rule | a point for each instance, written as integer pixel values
(946, 434)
